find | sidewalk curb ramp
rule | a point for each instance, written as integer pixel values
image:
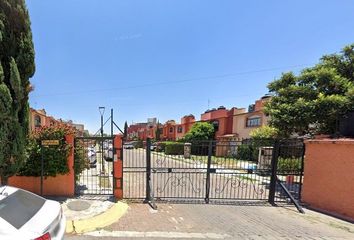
(102, 220)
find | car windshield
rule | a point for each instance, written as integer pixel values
(20, 207)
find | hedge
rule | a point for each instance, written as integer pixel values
(289, 165)
(174, 148)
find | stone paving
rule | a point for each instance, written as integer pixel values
(188, 221)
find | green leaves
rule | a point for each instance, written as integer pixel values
(313, 101)
(15, 81)
(55, 157)
(16, 67)
(200, 131)
(264, 132)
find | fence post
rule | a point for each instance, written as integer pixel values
(302, 170)
(118, 167)
(148, 171)
(273, 177)
(207, 186)
(42, 169)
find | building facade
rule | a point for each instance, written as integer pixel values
(245, 121)
(234, 123)
(39, 118)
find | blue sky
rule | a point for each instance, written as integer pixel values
(167, 58)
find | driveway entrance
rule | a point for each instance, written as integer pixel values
(94, 157)
(252, 171)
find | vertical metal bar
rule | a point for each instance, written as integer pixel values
(207, 186)
(111, 122)
(74, 166)
(42, 169)
(148, 170)
(273, 178)
(302, 169)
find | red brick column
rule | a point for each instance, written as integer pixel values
(118, 167)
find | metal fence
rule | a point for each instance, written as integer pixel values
(214, 171)
(93, 157)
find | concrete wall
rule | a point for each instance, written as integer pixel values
(329, 176)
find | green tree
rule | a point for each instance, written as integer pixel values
(125, 133)
(313, 101)
(264, 132)
(158, 132)
(16, 67)
(200, 131)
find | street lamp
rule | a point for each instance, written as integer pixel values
(101, 109)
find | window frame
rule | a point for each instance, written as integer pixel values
(253, 121)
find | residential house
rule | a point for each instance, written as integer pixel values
(221, 118)
(169, 130)
(185, 125)
(245, 121)
(234, 123)
(39, 118)
(143, 131)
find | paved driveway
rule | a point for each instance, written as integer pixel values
(188, 221)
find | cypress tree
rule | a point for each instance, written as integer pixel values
(16, 68)
(125, 135)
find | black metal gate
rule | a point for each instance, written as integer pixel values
(215, 171)
(93, 164)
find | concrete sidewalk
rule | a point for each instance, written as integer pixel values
(88, 213)
(188, 221)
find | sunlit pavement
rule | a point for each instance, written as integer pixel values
(200, 221)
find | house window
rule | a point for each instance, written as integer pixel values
(171, 129)
(179, 129)
(216, 125)
(254, 121)
(37, 121)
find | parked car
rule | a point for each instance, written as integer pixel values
(25, 215)
(153, 147)
(108, 154)
(128, 146)
(91, 155)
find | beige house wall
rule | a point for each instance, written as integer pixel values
(240, 120)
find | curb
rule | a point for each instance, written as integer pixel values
(102, 220)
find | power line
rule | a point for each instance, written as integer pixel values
(172, 81)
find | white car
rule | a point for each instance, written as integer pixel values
(128, 146)
(24, 215)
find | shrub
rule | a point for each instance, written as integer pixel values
(54, 157)
(200, 131)
(139, 144)
(264, 132)
(174, 148)
(160, 146)
(246, 152)
(289, 165)
(81, 161)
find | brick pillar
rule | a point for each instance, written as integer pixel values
(71, 178)
(118, 167)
